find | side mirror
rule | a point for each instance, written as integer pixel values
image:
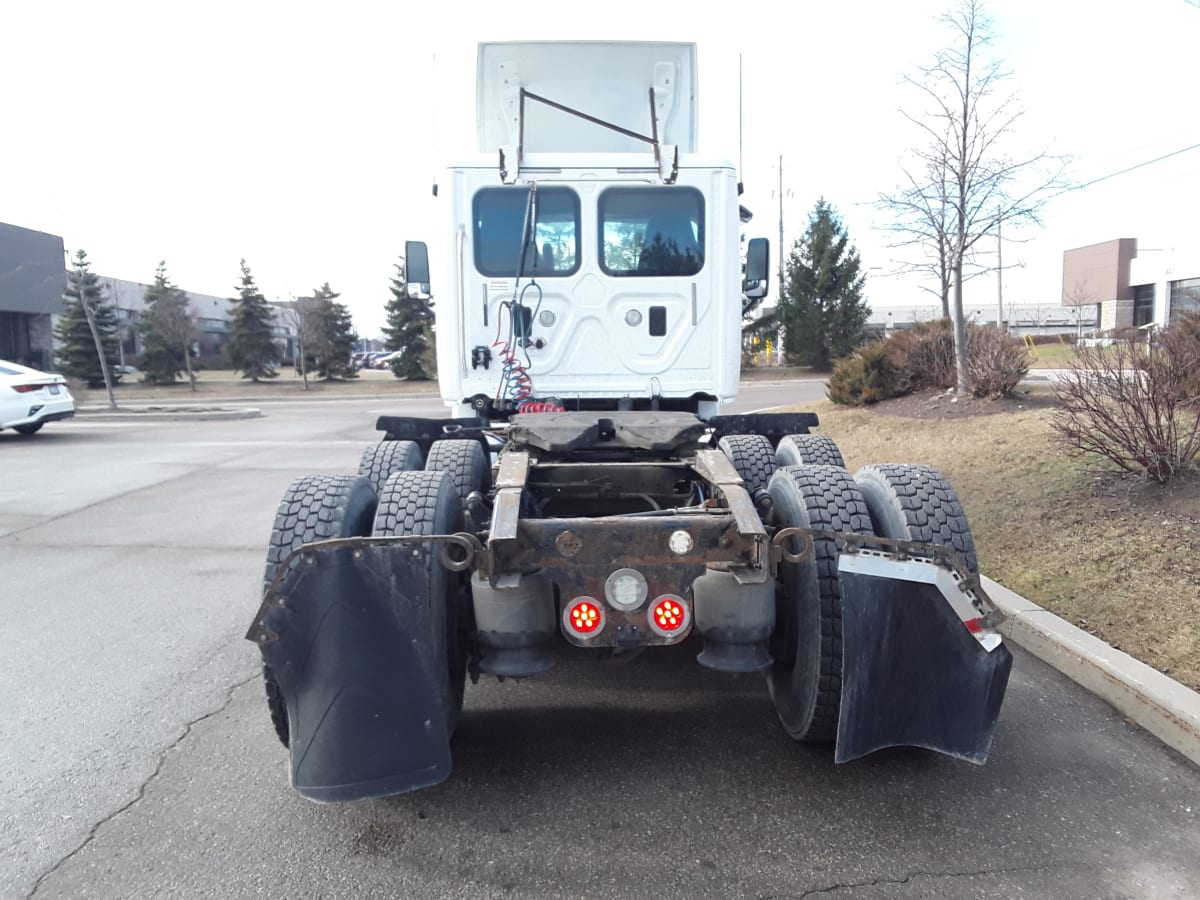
(758, 269)
(416, 265)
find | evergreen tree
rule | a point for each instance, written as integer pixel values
(251, 347)
(822, 310)
(166, 328)
(333, 342)
(407, 328)
(75, 352)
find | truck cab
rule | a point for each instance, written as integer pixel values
(591, 252)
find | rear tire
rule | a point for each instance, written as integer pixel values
(427, 503)
(30, 428)
(465, 463)
(753, 457)
(314, 508)
(916, 503)
(808, 449)
(382, 459)
(805, 681)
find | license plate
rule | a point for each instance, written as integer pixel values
(54, 389)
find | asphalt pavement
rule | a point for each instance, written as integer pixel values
(137, 758)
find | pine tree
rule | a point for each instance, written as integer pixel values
(251, 347)
(75, 352)
(333, 342)
(407, 328)
(166, 327)
(822, 310)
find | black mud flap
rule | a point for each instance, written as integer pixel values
(912, 673)
(347, 637)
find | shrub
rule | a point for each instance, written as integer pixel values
(996, 361)
(1137, 407)
(1188, 325)
(870, 375)
(1181, 344)
(926, 354)
(924, 358)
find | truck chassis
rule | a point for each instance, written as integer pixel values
(464, 546)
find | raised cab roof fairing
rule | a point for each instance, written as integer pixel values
(605, 79)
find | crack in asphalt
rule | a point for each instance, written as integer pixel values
(141, 791)
(850, 885)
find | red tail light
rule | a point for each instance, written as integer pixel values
(669, 615)
(30, 388)
(584, 617)
(974, 625)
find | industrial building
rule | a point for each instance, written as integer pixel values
(32, 278)
(1132, 286)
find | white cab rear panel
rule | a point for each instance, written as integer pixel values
(601, 329)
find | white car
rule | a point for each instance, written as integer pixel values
(29, 398)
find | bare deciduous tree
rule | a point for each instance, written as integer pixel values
(966, 182)
(1079, 297)
(176, 323)
(921, 222)
(304, 317)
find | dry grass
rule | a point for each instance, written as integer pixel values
(1051, 356)
(1114, 555)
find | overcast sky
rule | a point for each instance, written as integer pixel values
(304, 137)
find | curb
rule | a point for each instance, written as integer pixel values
(1161, 705)
(168, 414)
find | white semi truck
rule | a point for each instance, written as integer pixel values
(585, 493)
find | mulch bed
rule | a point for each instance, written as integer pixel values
(937, 404)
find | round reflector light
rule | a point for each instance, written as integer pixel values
(669, 615)
(584, 618)
(626, 589)
(680, 543)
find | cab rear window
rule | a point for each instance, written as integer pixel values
(499, 215)
(652, 231)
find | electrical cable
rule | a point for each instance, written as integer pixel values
(1141, 165)
(515, 383)
(511, 343)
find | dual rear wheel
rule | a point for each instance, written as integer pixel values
(900, 502)
(396, 493)
(810, 488)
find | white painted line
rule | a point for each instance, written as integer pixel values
(1161, 705)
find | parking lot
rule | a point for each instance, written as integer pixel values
(137, 757)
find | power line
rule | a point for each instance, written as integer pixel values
(1141, 165)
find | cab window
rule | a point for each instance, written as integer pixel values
(499, 214)
(651, 231)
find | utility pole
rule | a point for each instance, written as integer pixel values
(999, 275)
(781, 247)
